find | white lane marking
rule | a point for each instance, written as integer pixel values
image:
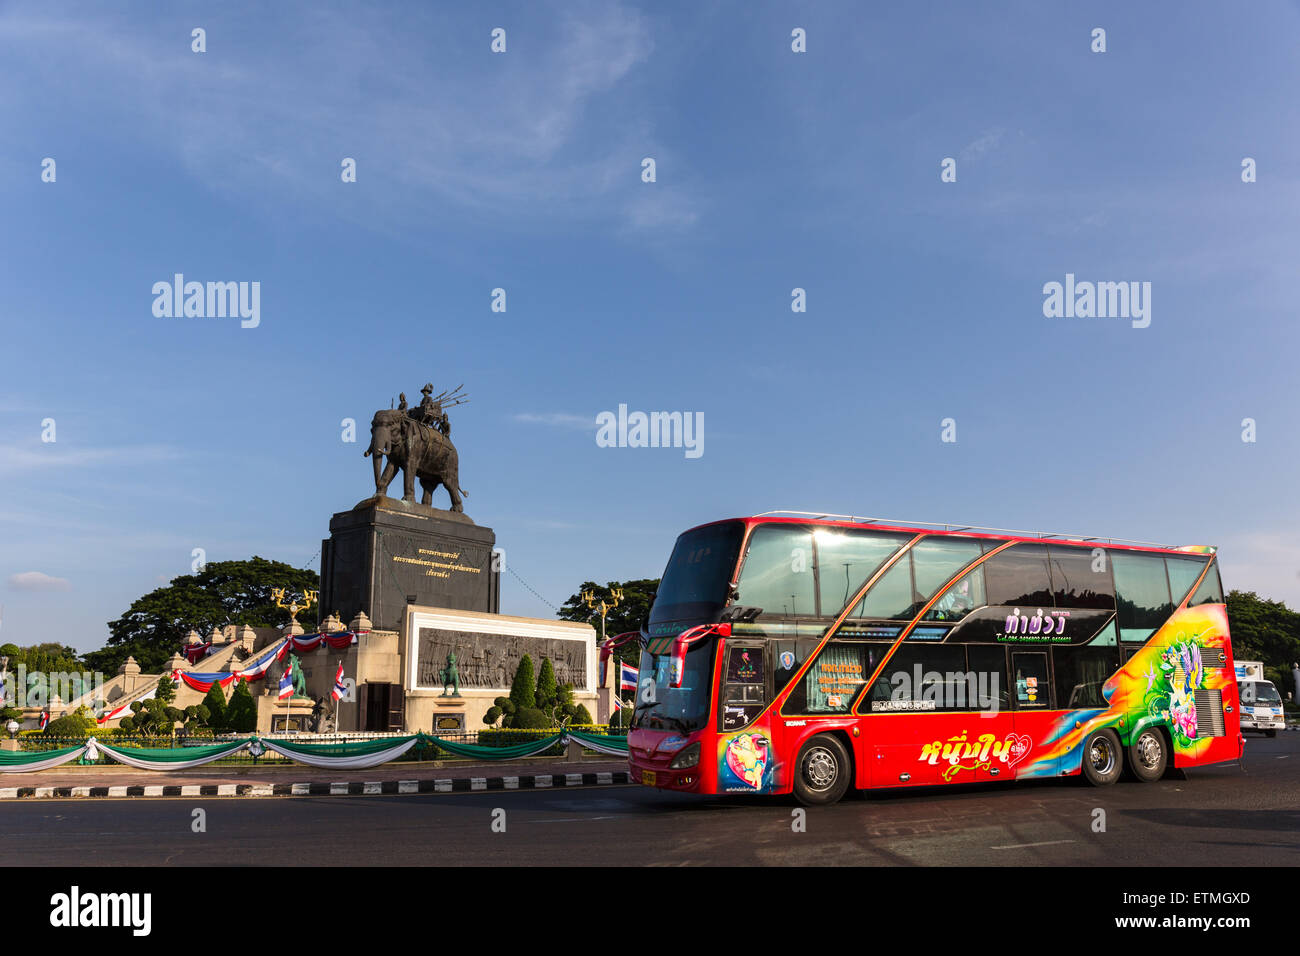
(1023, 846)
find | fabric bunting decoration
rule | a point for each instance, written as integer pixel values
(124, 709)
(196, 652)
(345, 756)
(165, 758)
(203, 682)
(337, 641)
(356, 756)
(19, 762)
(258, 667)
(614, 746)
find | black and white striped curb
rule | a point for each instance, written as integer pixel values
(539, 781)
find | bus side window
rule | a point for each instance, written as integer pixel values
(989, 665)
(1211, 589)
(1141, 594)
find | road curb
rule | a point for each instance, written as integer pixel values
(351, 788)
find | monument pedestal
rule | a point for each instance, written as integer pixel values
(449, 715)
(290, 716)
(387, 553)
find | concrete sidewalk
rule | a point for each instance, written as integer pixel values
(294, 780)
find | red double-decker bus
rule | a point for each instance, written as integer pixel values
(793, 652)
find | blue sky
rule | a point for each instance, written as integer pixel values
(522, 171)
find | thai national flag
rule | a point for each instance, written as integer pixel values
(627, 676)
(618, 704)
(45, 718)
(286, 684)
(340, 691)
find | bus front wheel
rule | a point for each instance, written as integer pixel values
(1101, 760)
(822, 772)
(1148, 756)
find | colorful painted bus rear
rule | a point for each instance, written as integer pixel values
(792, 652)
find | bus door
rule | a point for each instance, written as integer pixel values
(1031, 698)
(744, 686)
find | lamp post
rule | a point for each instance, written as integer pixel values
(293, 607)
(604, 607)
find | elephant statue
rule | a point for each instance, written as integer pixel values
(398, 441)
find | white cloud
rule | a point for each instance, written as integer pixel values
(558, 419)
(984, 143)
(35, 456)
(553, 127)
(38, 581)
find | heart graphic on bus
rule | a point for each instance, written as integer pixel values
(1018, 747)
(747, 757)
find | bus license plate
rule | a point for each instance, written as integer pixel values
(648, 777)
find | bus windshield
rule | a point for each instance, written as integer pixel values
(694, 585)
(660, 706)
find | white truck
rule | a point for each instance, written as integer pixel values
(1261, 704)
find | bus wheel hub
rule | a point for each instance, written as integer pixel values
(820, 769)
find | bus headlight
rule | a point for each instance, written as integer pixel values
(687, 757)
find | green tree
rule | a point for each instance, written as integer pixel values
(224, 592)
(241, 715)
(523, 689)
(546, 689)
(215, 702)
(631, 613)
(166, 691)
(1266, 631)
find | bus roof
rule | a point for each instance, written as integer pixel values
(974, 531)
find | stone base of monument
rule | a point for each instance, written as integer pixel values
(386, 554)
(284, 716)
(449, 715)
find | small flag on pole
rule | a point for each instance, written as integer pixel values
(286, 683)
(627, 676)
(45, 718)
(618, 704)
(340, 690)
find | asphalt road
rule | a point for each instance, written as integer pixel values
(1218, 815)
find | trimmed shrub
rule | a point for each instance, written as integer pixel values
(69, 725)
(241, 715)
(546, 686)
(523, 690)
(530, 718)
(215, 702)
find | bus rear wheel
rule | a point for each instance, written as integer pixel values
(822, 771)
(1101, 761)
(1148, 756)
